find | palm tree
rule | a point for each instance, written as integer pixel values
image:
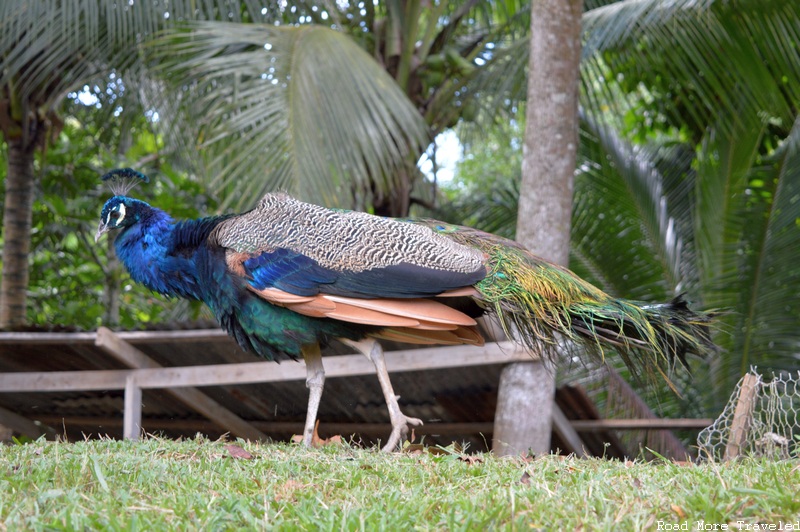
(545, 205)
(265, 121)
(715, 196)
(52, 47)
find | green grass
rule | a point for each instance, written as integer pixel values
(157, 484)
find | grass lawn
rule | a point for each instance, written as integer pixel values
(159, 484)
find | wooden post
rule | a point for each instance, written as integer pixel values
(132, 423)
(742, 417)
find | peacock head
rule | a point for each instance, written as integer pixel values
(121, 211)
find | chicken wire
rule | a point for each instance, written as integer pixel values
(761, 419)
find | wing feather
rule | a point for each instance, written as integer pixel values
(280, 297)
(459, 336)
(423, 314)
(305, 249)
(423, 309)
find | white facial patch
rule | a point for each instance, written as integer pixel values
(119, 209)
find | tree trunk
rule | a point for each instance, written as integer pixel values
(397, 202)
(17, 232)
(522, 422)
(527, 390)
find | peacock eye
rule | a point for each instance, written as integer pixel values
(114, 215)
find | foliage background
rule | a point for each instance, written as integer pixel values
(76, 283)
(689, 156)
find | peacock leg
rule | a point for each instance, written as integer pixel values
(315, 381)
(371, 349)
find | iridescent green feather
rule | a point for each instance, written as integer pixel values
(538, 303)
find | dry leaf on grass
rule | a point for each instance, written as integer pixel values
(335, 439)
(419, 448)
(413, 448)
(678, 511)
(316, 441)
(237, 452)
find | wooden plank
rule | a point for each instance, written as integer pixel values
(191, 397)
(220, 374)
(255, 372)
(63, 381)
(742, 417)
(186, 336)
(628, 404)
(200, 336)
(105, 422)
(567, 433)
(132, 425)
(123, 351)
(443, 357)
(25, 426)
(60, 338)
(42, 338)
(600, 425)
(219, 414)
(290, 427)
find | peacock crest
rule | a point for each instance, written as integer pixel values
(123, 180)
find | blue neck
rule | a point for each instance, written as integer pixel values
(147, 249)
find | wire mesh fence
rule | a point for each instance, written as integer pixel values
(761, 419)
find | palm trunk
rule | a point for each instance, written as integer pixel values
(397, 202)
(17, 232)
(527, 390)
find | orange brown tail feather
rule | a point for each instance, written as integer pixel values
(418, 314)
(459, 336)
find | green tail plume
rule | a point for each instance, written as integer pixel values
(536, 302)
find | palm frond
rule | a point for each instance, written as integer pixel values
(751, 257)
(631, 224)
(296, 108)
(704, 60)
(497, 89)
(493, 210)
(773, 272)
(52, 46)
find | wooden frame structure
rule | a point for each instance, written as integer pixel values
(180, 383)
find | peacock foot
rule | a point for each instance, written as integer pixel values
(400, 424)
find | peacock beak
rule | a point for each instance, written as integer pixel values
(103, 228)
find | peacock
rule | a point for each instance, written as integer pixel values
(288, 278)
